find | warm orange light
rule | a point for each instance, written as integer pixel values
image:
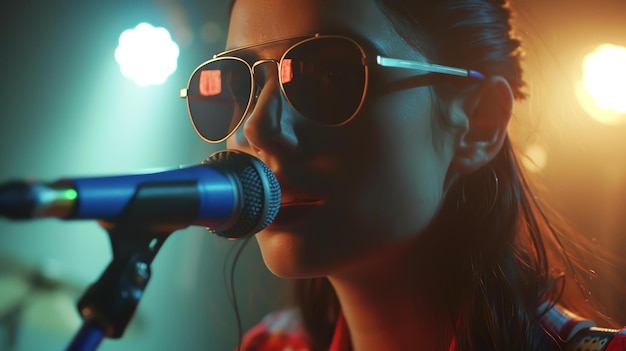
(535, 158)
(604, 84)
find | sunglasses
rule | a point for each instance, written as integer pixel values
(323, 77)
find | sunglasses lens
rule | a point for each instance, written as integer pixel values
(217, 97)
(325, 79)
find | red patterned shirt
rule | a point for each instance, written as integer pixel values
(283, 331)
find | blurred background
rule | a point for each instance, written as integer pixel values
(67, 109)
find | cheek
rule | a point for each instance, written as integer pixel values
(397, 183)
(401, 196)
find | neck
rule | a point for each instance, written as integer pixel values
(389, 303)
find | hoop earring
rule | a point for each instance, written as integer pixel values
(493, 187)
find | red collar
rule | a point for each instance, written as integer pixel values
(341, 337)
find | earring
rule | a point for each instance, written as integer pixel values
(473, 190)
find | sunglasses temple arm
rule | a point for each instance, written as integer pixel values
(427, 67)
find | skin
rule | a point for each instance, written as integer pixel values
(357, 199)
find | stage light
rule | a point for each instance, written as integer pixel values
(603, 89)
(147, 55)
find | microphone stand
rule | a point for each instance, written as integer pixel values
(109, 304)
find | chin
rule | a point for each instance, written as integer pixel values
(288, 255)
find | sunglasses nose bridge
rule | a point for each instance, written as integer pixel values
(253, 70)
(262, 62)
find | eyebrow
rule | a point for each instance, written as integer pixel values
(370, 47)
(258, 51)
(382, 58)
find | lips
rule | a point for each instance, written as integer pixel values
(291, 199)
(296, 207)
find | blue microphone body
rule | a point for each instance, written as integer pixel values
(231, 193)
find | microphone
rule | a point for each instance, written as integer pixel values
(231, 193)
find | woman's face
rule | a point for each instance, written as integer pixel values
(348, 192)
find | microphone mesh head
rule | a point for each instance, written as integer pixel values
(260, 192)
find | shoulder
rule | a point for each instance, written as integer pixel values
(600, 339)
(278, 331)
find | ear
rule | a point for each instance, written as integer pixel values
(481, 118)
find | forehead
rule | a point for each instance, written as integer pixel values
(256, 21)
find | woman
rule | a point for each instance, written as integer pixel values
(405, 221)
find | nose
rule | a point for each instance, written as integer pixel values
(269, 126)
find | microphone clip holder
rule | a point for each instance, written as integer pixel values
(109, 304)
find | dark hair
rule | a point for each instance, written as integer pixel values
(505, 262)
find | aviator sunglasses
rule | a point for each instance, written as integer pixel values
(323, 77)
